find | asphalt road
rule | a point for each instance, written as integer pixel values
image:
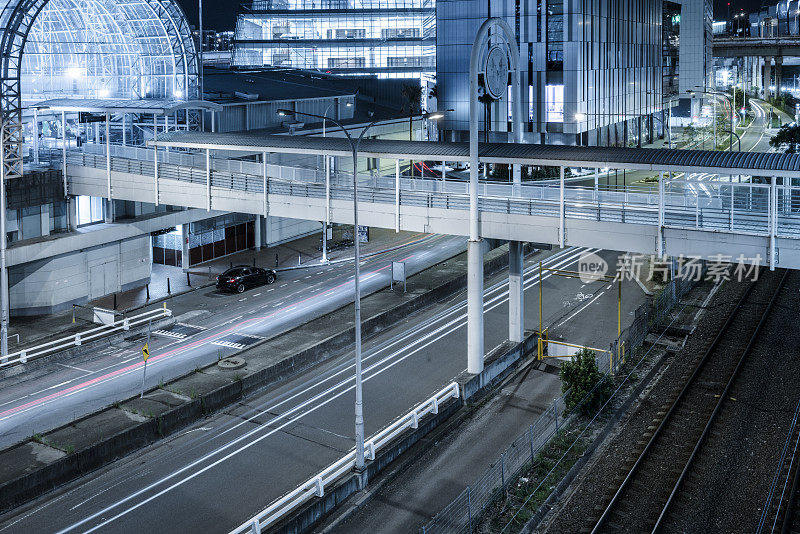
(218, 473)
(755, 138)
(216, 323)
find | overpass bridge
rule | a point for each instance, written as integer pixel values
(723, 220)
(679, 218)
(757, 46)
(771, 50)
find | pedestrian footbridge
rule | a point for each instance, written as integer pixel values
(755, 220)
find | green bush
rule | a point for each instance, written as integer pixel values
(579, 376)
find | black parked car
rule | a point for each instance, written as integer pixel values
(240, 278)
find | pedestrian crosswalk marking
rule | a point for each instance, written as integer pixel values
(179, 331)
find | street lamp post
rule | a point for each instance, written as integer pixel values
(359, 408)
(355, 144)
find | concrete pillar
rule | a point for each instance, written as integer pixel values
(108, 210)
(767, 77)
(516, 297)
(257, 227)
(72, 213)
(778, 75)
(185, 247)
(475, 306)
(696, 108)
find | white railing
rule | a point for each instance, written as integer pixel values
(125, 323)
(315, 486)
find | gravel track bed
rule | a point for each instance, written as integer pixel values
(589, 494)
(727, 486)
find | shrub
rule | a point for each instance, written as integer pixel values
(579, 376)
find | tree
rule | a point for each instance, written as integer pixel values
(788, 137)
(739, 95)
(579, 377)
(412, 94)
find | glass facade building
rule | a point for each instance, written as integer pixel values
(388, 38)
(591, 69)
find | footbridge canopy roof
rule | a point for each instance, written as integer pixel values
(657, 160)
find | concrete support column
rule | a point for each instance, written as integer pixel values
(72, 213)
(516, 296)
(257, 232)
(767, 77)
(108, 210)
(778, 75)
(696, 108)
(474, 306)
(185, 247)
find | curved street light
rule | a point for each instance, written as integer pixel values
(355, 144)
(359, 408)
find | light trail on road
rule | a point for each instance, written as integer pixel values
(452, 319)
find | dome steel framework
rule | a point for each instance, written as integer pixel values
(89, 49)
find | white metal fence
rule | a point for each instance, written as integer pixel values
(76, 340)
(315, 486)
(744, 208)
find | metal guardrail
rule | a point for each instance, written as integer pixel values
(125, 323)
(315, 486)
(743, 208)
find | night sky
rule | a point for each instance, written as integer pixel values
(721, 6)
(220, 15)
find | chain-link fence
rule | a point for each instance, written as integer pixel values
(463, 513)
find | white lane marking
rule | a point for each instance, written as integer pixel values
(257, 295)
(61, 384)
(268, 290)
(283, 285)
(579, 310)
(72, 367)
(462, 317)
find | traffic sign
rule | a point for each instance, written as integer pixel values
(146, 351)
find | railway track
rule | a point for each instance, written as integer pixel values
(781, 512)
(650, 483)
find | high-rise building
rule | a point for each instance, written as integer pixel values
(388, 38)
(591, 69)
(594, 72)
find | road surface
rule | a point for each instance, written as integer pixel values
(221, 471)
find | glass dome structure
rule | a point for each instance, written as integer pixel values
(123, 49)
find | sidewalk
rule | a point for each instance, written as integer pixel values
(168, 281)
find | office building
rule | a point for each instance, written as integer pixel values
(387, 38)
